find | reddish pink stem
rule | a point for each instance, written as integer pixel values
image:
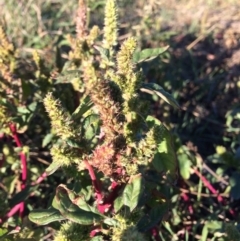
(208, 184)
(155, 234)
(20, 206)
(94, 232)
(23, 157)
(40, 179)
(212, 189)
(3, 158)
(95, 182)
(108, 202)
(186, 199)
(106, 205)
(15, 209)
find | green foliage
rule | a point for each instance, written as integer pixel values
(100, 131)
(114, 113)
(83, 149)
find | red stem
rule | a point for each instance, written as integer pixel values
(40, 179)
(108, 203)
(95, 182)
(15, 209)
(186, 199)
(155, 234)
(23, 158)
(3, 157)
(20, 206)
(212, 189)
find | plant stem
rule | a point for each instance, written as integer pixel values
(212, 189)
(23, 158)
(155, 234)
(15, 209)
(3, 158)
(108, 203)
(186, 199)
(95, 182)
(40, 179)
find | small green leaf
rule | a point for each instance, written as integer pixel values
(22, 195)
(73, 143)
(47, 139)
(152, 218)
(23, 110)
(82, 204)
(118, 203)
(45, 216)
(165, 158)
(103, 52)
(91, 127)
(68, 75)
(148, 54)
(3, 231)
(132, 192)
(80, 212)
(111, 222)
(53, 167)
(54, 203)
(26, 88)
(152, 88)
(97, 238)
(184, 166)
(33, 106)
(83, 107)
(152, 121)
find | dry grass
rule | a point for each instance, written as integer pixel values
(30, 22)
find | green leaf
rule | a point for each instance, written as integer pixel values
(103, 52)
(67, 76)
(54, 203)
(87, 192)
(148, 54)
(91, 127)
(97, 238)
(81, 212)
(45, 216)
(152, 218)
(26, 88)
(152, 121)
(22, 195)
(152, 88)
(47, 139)
(81, 203)
(53, 167)
(111, 222)
(165, 158)
(83, 107)
(132, 192)
(184, 166)
(33, 106)
(23, 110)
(3, 231)
(73, 143)
(118, 203)
(164, 162)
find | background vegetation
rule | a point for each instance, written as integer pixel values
(201, 69)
